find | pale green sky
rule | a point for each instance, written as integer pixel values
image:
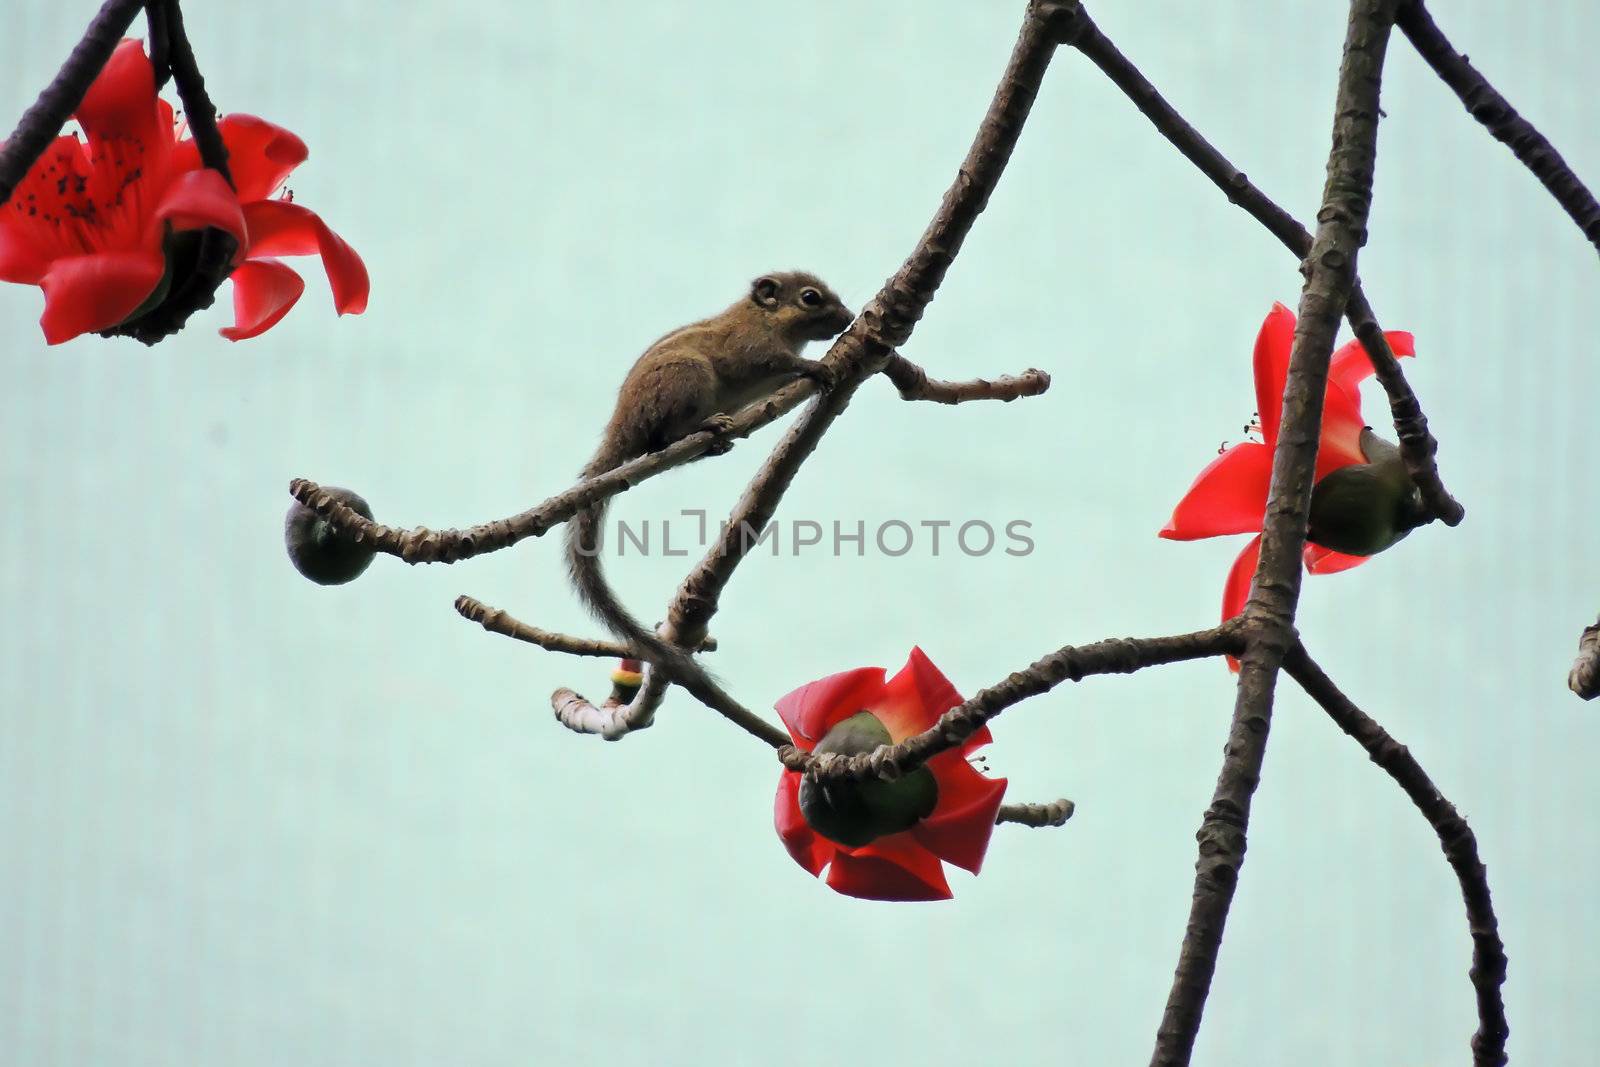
(251, 821)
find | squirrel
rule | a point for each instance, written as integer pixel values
(693, 379)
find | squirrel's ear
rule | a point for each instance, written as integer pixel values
(764, 291)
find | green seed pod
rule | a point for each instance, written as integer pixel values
(316, 551)
(856, 813)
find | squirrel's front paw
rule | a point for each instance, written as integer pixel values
(823, 374)
(722, 427)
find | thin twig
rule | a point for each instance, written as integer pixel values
(499, 622)
(609, 720)
(1460, 847)
(1584, 679)
(422, 545)
(614, 721)
(1500, 118)
(1269, 613)
(1112, 656)
(914, 384)
(1417, 445)
(1038, 816)
(41, 123)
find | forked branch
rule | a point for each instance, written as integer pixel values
(1270, 612)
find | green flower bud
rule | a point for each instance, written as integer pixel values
(320, 554)
(856, 813)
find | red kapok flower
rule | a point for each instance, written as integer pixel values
(885, 840)
(1354, 514)
(92, 223)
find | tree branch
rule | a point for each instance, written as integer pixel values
(1269, 614)
(422, 545)
(1112, 656)
(1460, 847)
(1500, 118)
(1038, 816)
(197, 108)
(499, 622)
(888, 319)
(914, 384)
(1417, 445)
(155, 13)
(41, 123)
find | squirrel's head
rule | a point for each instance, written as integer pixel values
(800, 305)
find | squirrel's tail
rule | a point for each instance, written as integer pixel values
(583, 561)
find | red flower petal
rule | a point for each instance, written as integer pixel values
(1237, 591)
(29, 240)
(93, 292)
(1342, 423)
(1351, 366)
(958, 828)
(263, 292)
(1229, 496)
(891, 868)
(1319, 560)
(1273, 345)
(260, 154)
(201, 198)
(810, 849)
(121, 103)
(914, 699)
(279, 228)
(811, 711)
(20, 257)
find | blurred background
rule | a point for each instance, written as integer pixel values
(252, 821)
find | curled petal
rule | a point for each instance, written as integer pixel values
(121, 102)
(263, 292)
(260, 154)
(1273, 345)
(1342, 421)
(1229, 496)
(1237, 590)
(914, 698)
(97, 291)
(811, 711)
(958, 828)
(279, 228)
(198, 199)
(1319, 560)
(1351, 365)
(896, 867)
(810, 849)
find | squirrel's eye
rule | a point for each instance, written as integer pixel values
(810, 297)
